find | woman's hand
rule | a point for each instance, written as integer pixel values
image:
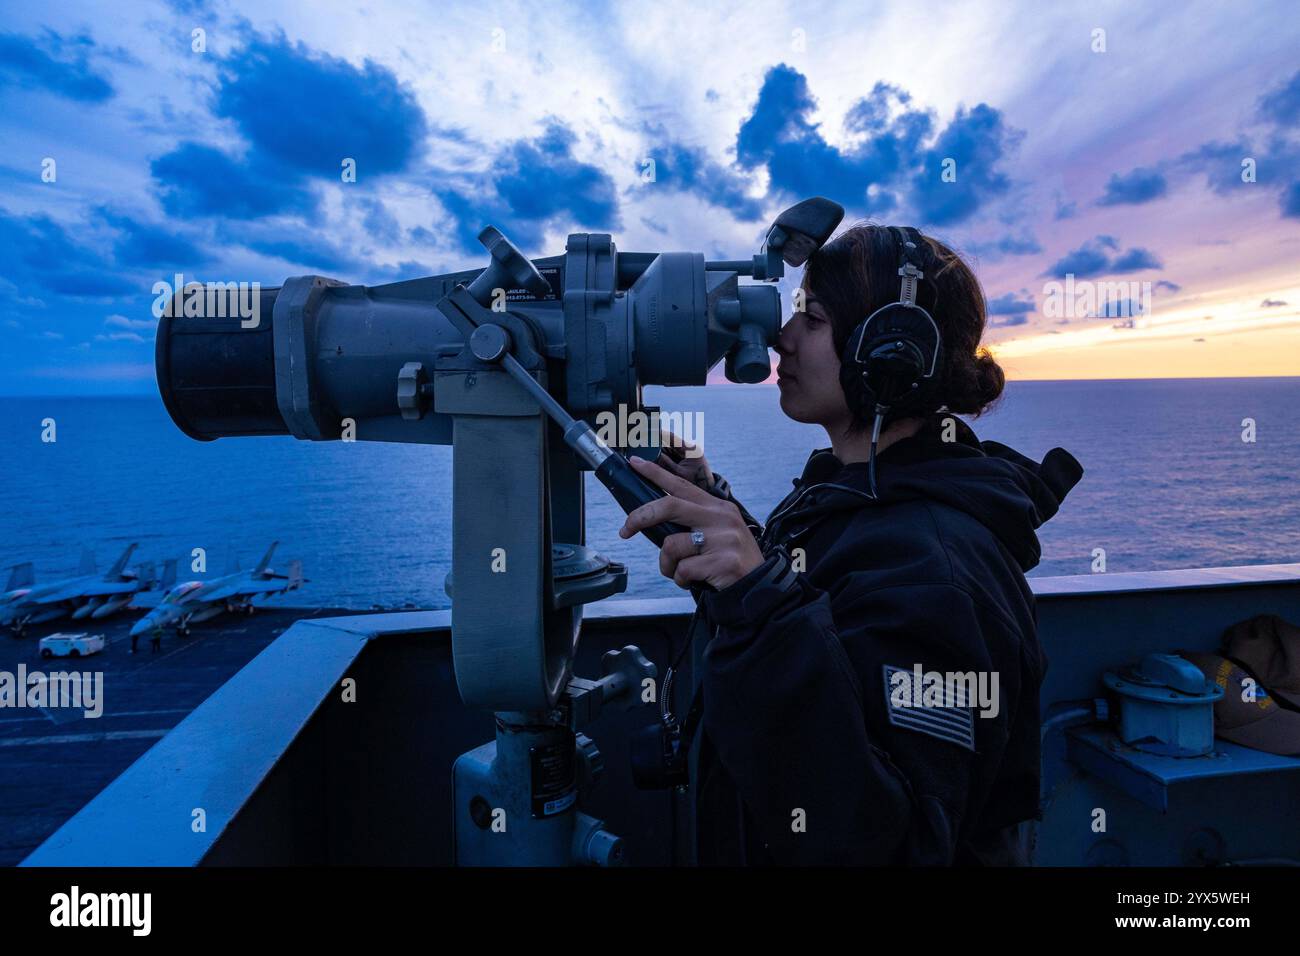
(729, 551)
(674, 457)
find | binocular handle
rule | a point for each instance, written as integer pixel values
(631, 491)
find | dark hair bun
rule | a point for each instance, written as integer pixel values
(974, 384)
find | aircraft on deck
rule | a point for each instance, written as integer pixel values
(196, 601)
(87, 595)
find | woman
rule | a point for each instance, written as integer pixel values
(823, 737)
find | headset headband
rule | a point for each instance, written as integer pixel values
(912, 261)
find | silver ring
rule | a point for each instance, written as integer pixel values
(697, 539)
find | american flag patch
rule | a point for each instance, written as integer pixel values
(954, 721)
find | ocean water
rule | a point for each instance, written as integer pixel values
(1169, 483)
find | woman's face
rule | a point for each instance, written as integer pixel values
(808, 373)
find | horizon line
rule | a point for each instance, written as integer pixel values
(1010, 381)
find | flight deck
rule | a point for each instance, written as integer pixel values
(54, 760)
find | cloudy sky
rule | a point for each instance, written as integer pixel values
(1142, 143)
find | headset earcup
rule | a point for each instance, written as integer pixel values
(916, 331)
(854, 379)
(896, 371)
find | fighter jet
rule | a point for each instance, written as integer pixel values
(195, 601)
(88, 595)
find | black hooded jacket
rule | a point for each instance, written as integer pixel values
(810, 746)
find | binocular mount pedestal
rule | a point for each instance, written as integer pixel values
(517, 598)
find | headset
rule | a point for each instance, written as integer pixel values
(889, 363)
